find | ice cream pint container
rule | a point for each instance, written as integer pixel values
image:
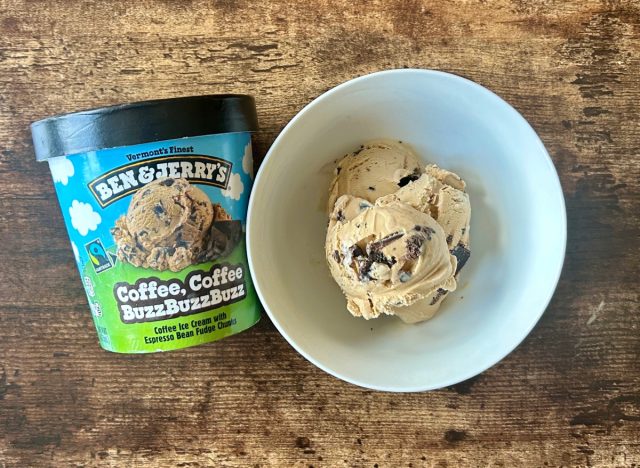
(154, 197)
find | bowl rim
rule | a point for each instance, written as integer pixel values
(535, 318)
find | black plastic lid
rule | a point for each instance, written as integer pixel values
(143, 122)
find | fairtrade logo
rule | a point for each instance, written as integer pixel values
(100, 258)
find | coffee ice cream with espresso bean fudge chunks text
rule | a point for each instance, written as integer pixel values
(171, 224)
(398, 232)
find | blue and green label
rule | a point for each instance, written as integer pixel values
(157, 231)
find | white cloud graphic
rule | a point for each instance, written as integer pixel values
(83, 218)
(236, 187)
(75, 251)
(247, 160)
(61, 169)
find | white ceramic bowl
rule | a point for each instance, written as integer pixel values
(518, 230)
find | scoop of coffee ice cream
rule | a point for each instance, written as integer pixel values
(441, 194)
(388, 258)
(382, 193)
(378, 168)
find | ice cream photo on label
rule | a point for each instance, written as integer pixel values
(171, 224)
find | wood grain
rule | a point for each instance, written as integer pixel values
(568, 396)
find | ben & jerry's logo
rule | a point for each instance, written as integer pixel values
(124, 180)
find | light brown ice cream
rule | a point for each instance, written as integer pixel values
(411, 205)
(388, 258)
(441, 194)
(373, 171)
(171, 224)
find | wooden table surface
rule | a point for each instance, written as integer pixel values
(569, 395)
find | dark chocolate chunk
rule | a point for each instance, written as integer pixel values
(340, 215)
(180, 242)
(222, 238)
(364, 266)
(167, 182)
(356, 251)
(406, 179)
(216, 244)
(336, 256)
(371, 188)
(338, 169)
(426, 230)
(462, 254)
(386, 240)
(379, 257)
(439, 293)
(414, 247)
(232, 229)
(449, 239)
(365, 262)
(159, 209)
